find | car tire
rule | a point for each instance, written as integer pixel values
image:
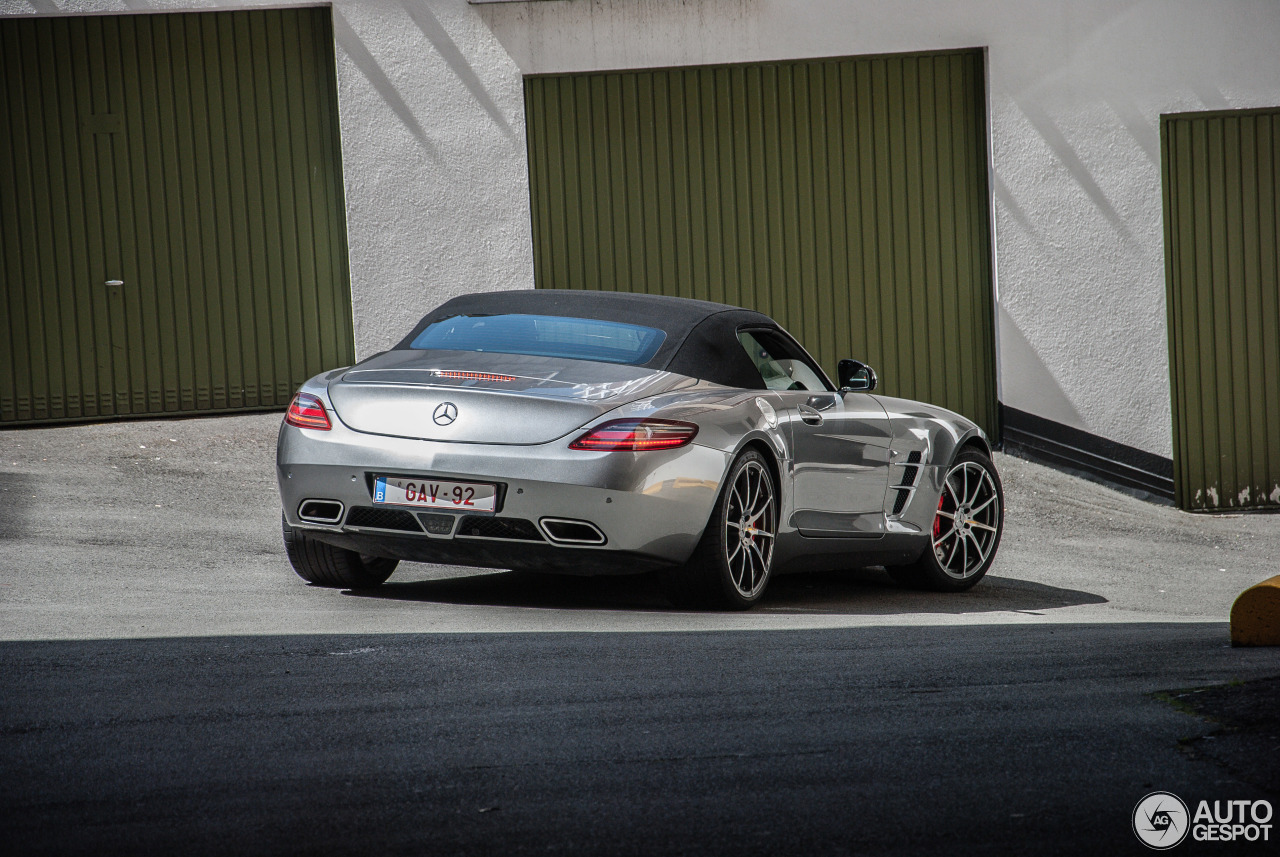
(730, 567)
(324, 564)
(966, 528)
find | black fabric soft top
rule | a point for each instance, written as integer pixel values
(701, 336)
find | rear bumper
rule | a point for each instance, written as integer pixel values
(651, 506)
(487, 553)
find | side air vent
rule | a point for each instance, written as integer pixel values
(906, 485)
(910, 472)
(564, 531)
(320, 511)
(482, 527)
(383, 519)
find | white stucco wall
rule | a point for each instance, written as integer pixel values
(432, 125)
(434, 156)
(1076, 89)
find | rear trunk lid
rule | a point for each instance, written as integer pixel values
(476, 397)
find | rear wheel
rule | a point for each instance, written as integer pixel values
(327, 565)
(966, 528)
(730, 567)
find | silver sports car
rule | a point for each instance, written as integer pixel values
(605, 433)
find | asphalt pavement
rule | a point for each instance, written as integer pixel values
(168, 685)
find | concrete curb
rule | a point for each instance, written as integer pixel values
(1255, 617)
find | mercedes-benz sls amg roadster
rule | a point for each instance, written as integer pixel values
(603, 433)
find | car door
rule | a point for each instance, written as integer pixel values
(840, 440)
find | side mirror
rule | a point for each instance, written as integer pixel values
(856, 377)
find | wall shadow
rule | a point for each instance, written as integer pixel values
(863, 592)
(1070, 159)
(354, 47)
(1028, 383)
(435, 33)
(1006, 198)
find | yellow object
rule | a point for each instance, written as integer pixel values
(1255, 617)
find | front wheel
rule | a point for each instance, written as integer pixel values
(966, 528)
(730, 567)
(328, 565)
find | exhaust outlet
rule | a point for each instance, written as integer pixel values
(320, 511)
(565, 531)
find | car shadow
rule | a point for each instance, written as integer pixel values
(16, 490)
(867, 592)
(872, 592)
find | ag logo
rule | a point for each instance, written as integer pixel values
(1161, 821)
(445, 414)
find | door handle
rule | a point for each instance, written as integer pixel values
(810, 416)
(114, 283)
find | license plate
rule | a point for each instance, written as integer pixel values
(436, 493)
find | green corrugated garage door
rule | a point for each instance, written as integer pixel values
(847, 198)
(193, 158)
(1221, 191)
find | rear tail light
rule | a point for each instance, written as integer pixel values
(636, 436)
(307, 411)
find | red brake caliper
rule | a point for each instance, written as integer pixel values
(937, 519)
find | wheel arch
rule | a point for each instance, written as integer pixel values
(709, 578)
(973, 440)
(761, 445)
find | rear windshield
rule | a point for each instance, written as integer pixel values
(544, 336)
